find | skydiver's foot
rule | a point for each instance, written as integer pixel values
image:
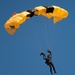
(51, 73)
(55, 72)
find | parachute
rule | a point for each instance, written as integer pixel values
(17, 19)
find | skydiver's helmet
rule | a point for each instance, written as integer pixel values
(48, 50)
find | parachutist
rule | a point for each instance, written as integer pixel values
(49, 61)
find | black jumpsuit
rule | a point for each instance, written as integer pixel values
(49, 62)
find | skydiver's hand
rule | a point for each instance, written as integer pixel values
(42, 53)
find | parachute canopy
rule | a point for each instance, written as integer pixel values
(17, 19)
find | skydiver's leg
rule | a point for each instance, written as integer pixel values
(50, 68)
(53, 67)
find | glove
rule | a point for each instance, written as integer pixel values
(42, 53)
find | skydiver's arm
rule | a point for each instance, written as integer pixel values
(44, 57)
(43, 54)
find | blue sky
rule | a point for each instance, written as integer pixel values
(20, 54)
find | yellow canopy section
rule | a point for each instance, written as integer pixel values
(15, 22)
(59, 14)
(41, 10)
(56, 12)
